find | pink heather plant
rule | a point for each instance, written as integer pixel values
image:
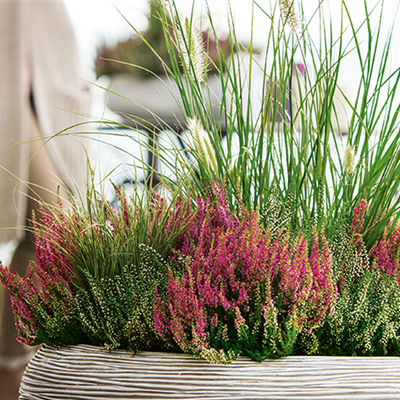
(234, 290)
(358, 222)
(386, 252)
(43, 300)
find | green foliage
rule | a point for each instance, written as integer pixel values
(365, 321)
(326, 210)
(118, 312)
(259, 332)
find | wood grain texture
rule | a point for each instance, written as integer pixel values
(87, 372)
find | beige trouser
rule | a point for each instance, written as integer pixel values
(44, 183)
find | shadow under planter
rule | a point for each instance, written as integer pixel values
(89, 372)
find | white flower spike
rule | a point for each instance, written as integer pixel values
(202, 144)
(192, 52)
(288, 14)
(350, 160)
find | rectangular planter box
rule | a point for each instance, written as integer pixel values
(88, 372)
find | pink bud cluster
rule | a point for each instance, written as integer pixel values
(21, 292)
(50, 275)
(226, 259)
(386, 252)
(53, 242)
(358, 222)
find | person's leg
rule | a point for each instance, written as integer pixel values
(44, 183)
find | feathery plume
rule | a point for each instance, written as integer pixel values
(288, 14)
(350, 160)
(202, 144)
(191, 50)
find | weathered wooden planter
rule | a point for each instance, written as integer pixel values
(88, 372)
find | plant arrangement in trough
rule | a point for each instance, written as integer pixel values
(272, 231)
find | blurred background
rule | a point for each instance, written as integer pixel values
(100, 23)
(103, 32)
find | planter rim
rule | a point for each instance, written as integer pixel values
(84, 372)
